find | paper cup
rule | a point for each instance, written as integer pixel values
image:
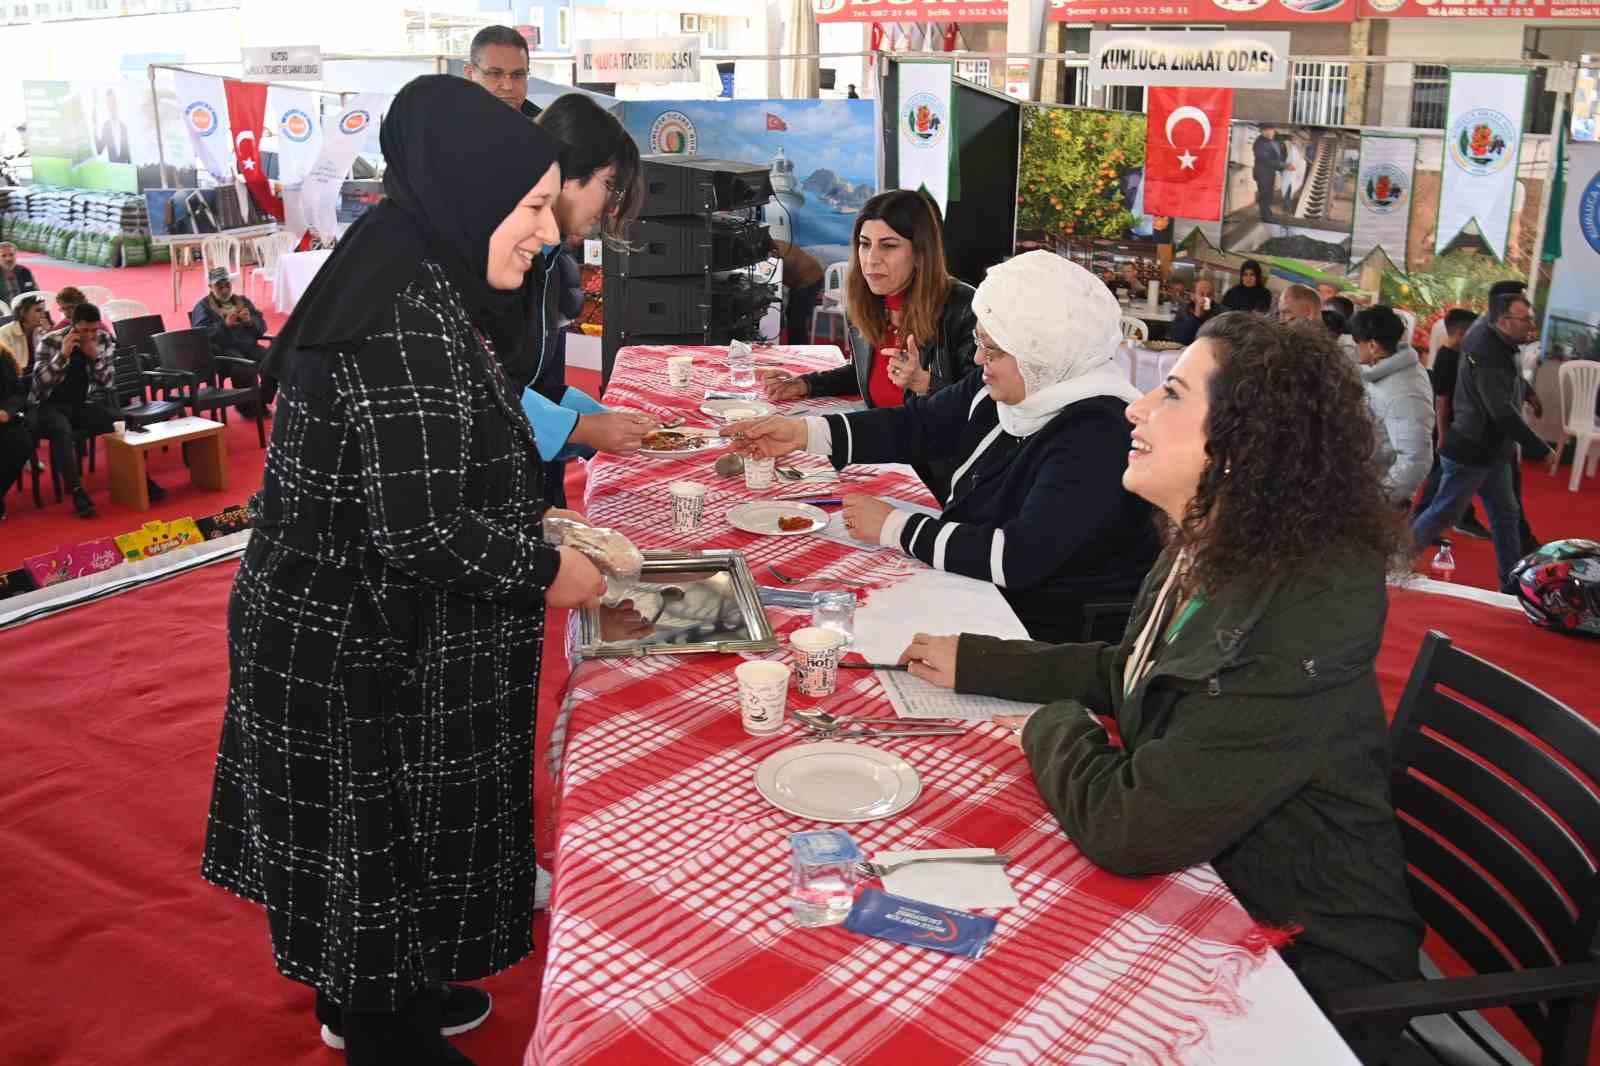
(680, 370)
(816, 659)
(119, 428)
(763, 691)
(688, 505)
(758, 473)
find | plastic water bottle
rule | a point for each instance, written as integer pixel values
(1444, 563)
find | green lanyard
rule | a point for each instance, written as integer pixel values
(1195, 603)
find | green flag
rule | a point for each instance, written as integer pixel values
(1558, 194)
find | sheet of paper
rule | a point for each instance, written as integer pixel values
(951, 884)
(931, 601)
(914, 698)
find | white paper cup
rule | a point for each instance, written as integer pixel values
(688, 505)
(763, 692)
(680, 370)
(816, 659)
(119, 428)
(758, 473)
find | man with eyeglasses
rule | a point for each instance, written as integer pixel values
(1479, 454)
(499, 63)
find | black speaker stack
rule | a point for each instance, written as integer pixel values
(687, 277)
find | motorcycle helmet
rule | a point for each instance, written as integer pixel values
(1559, 586)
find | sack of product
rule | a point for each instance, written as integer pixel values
(613, 553)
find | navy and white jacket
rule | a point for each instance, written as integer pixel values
(1044, 517)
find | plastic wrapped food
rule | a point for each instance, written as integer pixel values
(609, 550)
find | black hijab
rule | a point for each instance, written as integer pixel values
(1244, 297)
(458, 161)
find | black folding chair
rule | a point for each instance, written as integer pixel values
(133, 386)
(188, 352)
(1495, 784)
(138, 333)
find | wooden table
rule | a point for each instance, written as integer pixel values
(177, 242)
(125, 458)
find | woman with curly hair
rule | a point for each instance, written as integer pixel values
(1252, 734)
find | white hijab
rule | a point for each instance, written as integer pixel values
(1063, 327)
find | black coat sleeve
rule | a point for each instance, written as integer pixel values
(839, 381)
(958, 345)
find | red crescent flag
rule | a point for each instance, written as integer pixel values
(952, 34)
(1186, 152)
(775, 123)
(247, 110)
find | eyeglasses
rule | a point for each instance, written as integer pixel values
(614, 195)
(989, 351)
(496, 74)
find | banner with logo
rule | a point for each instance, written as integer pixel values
(204, 107)
(639, 60)
(341, 143)
(1240, 60)
(247, 109)
(1186, 151)
(910, 10)
(1572, 325)
(922, 122)
(1384, 181)
(1482, 139)
(295, 118)
(1213, 11)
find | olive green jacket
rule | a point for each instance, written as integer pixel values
(1256, 743)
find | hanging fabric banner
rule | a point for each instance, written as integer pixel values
(1482, 139)
(1186, 152)
(247, 110)
(922, 118)
(204, 109)
(342, 141)
(1572, 325)
(295, 116)
(1383, 197)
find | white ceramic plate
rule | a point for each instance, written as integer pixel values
(736, 410)
(711, 444)
(829, 781)
(761, 516)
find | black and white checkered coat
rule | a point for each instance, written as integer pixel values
(374, 779)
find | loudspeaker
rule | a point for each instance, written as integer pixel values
(696, 185)
(674, 305)
(667, 246)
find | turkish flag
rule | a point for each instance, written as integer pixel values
(952, 33)
(247, 109)
(1186, 151)
(776, 123)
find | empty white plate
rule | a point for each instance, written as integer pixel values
(736, 410)
(762, 516)
(831, 781)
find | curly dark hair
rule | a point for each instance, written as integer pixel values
(1292, 469)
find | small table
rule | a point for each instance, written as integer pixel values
(295, 273)
(125, 458)
(177, 242)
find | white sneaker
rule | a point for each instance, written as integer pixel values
(541, 888)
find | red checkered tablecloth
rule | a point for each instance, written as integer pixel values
(671, 940)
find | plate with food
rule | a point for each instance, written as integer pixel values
(774, 519)
(679, 442)
(733, 410)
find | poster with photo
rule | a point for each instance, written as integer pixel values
(1291, 192)
(822, 155)
(1081, 177)
(90, 135)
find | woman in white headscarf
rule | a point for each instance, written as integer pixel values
(1040, 443)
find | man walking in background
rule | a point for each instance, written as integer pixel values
(498, 61)
(1268, 159)
(1486, 426)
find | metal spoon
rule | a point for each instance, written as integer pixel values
(820, 719)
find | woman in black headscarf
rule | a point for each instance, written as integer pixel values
(1251, 294)
(374, 778)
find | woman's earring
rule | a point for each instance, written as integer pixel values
(1227, 468)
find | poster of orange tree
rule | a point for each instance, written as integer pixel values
(1080, 178)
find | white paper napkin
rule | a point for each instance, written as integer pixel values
(960, 886)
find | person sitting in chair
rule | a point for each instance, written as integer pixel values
(73, 371)
(19, 338)
(235, 328)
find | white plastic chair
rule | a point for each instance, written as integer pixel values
(1580, 388)
(265, 276)
(1134, 329)
(98, 295)
(116, 310)
(831, 302)
(222, 251)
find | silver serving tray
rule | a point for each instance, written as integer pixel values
(684, 602)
